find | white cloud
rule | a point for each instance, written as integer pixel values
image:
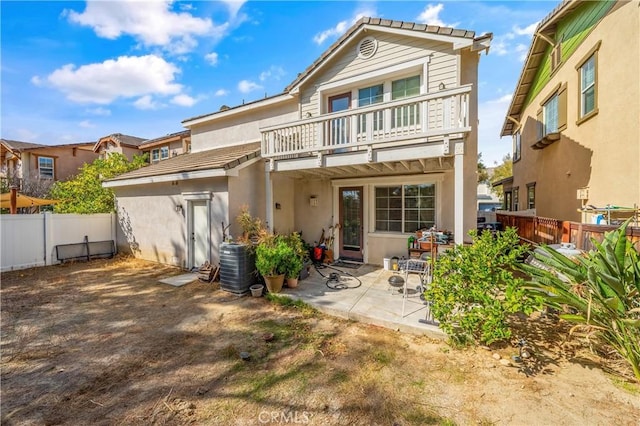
(211, 58)
(104, 112)
(431, 16)
(152, 23)
(146, 102)
(491, 117)
(125, 77)
(86, 124)
(184, 100)
(527, 31)
(221, 92)
(274, 72)
(523, 50)
(246, 86)
(234, 6)
(342, 26)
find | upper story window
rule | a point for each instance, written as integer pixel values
(552, 117)
(46, 167)
(164, 152)
(517, 146)
(406, 115)
(370, 95)
(155, 155)
(588, 86)
(405, 87)
(550, 114)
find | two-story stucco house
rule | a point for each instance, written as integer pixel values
(24, 160)
(165, 147)
(378, 135)
(575, 113)
(117, 142)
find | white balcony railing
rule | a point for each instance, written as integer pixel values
(431, 115)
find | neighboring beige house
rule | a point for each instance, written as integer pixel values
(23, 160)
(117, 142)
(168, 146)
(575, 113)
(378, 135)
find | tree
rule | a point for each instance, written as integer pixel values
(502, 171)
(483, 173)
(84, 193)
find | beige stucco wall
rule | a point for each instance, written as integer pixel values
(66, 163)
(603, 152)
(248, 188)
(241, 127)
(150, 227)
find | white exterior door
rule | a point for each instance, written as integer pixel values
(200, 246)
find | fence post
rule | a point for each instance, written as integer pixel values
(48, 238)
(566, 232)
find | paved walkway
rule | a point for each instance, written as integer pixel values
(364, 295)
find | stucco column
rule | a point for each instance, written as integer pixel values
(458, 198)
(268, 196)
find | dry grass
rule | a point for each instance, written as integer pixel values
(105, 343)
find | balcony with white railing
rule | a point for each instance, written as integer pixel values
(401, 122)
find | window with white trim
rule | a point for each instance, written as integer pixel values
(155, 155)
(164, 152)
(46, 167)
(405, 208)
(588, 86)
(370, 96)
(407, 115)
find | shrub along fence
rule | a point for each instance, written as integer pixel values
(30, 240)
(543, 230)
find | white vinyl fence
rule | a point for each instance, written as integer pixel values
(30, 240)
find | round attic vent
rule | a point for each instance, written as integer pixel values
(367, 47)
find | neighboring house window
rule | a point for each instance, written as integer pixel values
(552, 117)
(550, 113)
(405, 208)
(164, 152)
(369, 96)
(45, 167)
(531, 196)
(588, 86)
(507, 201)
(408, 115)
(155, 155)
(517, 146)
(516, 200)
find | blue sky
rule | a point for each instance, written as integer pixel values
(77, 71)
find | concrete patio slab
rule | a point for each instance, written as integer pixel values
(180, 280)
(364, 295)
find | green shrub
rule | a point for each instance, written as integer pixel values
(599, 292)
(272, 255)
(474, 289)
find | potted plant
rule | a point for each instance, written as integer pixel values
(272, 254)
(295, 263)
(251, 226)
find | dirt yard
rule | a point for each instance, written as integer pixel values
(105, 343)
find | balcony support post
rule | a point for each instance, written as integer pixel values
(458, 198)
(268, 198)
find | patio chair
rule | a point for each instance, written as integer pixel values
(419, 267)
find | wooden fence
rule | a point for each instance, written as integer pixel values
(543, 230)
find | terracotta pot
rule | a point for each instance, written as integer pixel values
(274, 283)
(292, 282)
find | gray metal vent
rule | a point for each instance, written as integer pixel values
(367, 47)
